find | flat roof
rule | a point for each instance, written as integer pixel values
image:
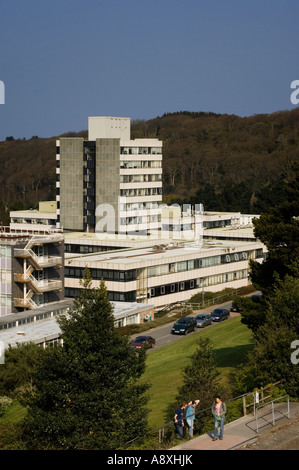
(25, 314)
(47, 329)
(154, 254)
(230, 230)
(121, 241)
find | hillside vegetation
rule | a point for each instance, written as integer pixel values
(223, 161)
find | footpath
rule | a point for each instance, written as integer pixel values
(241, 434)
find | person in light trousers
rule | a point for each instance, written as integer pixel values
(190, 415)
(218, 411)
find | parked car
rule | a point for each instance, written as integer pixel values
(203, 319)
(220, 314)
(256, 297)
(146, 341)
(234, 308)
(184, 325)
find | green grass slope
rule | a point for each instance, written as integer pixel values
(231, 341)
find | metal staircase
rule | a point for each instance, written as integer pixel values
(32, 261)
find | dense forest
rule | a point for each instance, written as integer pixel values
(226, 162)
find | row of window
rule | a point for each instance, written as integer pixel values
(5, 275)
(33, 221)
(131, 164)
(5, 300)
(138, 206)
(189, 265)
(70, 248)
(140, 192)
(5, 251)
(105, 274)
(170, 288)
(113, 296)
(123, 150)
(139, 219)
(197, 283)
(29, 319)
(141, 150)
(140, 178)
(158, 270)
(177, 228)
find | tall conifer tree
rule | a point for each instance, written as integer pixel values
(87, 393)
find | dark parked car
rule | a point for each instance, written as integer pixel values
(203, 319)
(234, 308)
(220, 314)
(257, 297)
(141, 341)
(184, 325)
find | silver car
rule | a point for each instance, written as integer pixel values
(203, 319)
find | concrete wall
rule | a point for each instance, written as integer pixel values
(71, 183)
(108, 127)
(107, 182)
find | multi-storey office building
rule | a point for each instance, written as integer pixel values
(109, 183)
(41, 220)
(163, 275)
(31, 270)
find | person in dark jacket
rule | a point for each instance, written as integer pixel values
(218, 411)
(179, 421)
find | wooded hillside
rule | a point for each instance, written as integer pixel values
(223, 161)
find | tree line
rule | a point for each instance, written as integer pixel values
(213, 159)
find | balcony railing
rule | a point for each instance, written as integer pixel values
(39, 262)
(39, 287)
(25, 303)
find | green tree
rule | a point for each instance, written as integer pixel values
(270, 360)
(87, 392)
(279, 231)
(16, 374)
(200, 381)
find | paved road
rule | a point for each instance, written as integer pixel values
(163, 335)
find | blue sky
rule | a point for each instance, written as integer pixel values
(62, 61)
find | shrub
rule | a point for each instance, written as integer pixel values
(5, 402)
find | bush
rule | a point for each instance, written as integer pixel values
(11, 437)
(5, 402)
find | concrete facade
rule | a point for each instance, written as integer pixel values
(70, 184)
(107, 183)
(162, 275)
(110, 183)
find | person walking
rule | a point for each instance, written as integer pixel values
(179, 419)
(218, 411)
(190, 415)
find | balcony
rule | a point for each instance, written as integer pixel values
(39, 287)
(39, 262)
(25, 303)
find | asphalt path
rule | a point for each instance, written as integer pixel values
(163, 335)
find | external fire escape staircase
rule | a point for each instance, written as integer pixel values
(34, 262)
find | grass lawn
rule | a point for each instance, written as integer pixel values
(13, 414)
(231, 341)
